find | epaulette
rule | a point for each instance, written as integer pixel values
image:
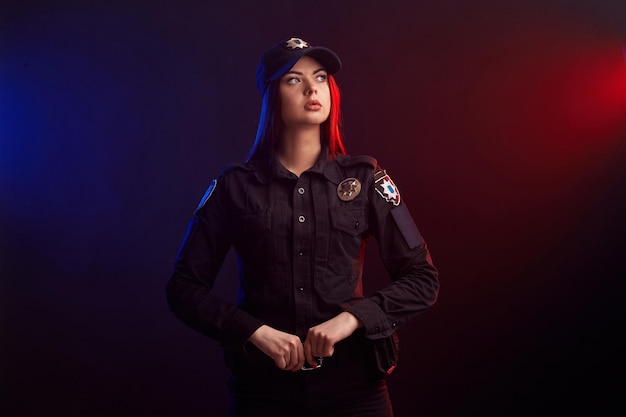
(346, 160)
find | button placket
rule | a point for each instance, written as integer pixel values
(302, 235)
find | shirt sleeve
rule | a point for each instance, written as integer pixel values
(406, 258)
(200, 257)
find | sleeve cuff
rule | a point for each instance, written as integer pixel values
(241, 328)
(374, 320)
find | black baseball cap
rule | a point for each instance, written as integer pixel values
(277, 60)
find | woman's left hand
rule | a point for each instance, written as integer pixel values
(320, 340)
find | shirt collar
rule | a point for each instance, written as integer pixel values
(329, 168)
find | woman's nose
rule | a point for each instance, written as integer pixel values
(309, 89)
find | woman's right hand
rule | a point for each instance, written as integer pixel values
(285, 349)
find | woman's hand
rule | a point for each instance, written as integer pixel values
(285, 349)
(320, 340)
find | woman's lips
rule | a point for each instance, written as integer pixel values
(313, 105)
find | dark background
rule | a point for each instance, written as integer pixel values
(503, 124)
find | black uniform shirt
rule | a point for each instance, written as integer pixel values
(300, 243)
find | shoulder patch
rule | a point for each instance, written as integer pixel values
(386, 188)
(207, 195)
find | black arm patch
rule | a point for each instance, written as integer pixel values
(407, 226)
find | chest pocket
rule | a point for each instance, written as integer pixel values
(256, 222)
(253, 232)
(350, 220)
(349, 226)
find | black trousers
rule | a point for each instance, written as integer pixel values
(349, 384)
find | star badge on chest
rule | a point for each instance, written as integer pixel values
(348, 189)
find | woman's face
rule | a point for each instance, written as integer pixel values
(304, 94)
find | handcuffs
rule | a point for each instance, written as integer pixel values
(319, 361)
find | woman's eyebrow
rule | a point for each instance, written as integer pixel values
(301, 73)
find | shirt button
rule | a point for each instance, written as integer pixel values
(301, 219)
(376, 329)
(301, 289)
(394, 325)
(356, 225)
(300, 190)
(301, 253)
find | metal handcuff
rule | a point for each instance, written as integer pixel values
(319, 361)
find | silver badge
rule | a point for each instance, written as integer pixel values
(348, 189)
(296, 43)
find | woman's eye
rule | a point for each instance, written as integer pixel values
(321, 77)
(292, 80)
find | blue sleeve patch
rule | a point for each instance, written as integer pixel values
(407, 226)
(207, 194)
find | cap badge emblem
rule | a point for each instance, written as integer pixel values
(348, 189)
(296, 43)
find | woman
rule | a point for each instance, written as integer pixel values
(302, 338)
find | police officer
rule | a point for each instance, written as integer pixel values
(302, 338)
